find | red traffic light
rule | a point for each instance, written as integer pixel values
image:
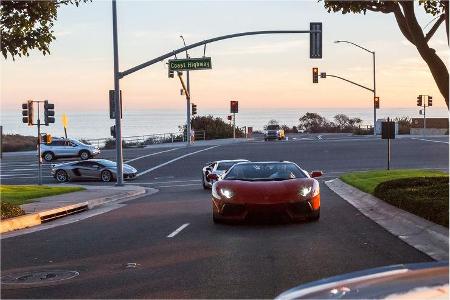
(315, 72)
(234, 107)
(376, 102)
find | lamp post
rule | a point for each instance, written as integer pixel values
(188, 102)
(374, 81)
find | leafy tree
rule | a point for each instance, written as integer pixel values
(271, 122)
(215, 128)
(404, 14)
(313, 123)
(342, 121)
(27, 25)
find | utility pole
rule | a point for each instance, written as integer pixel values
(119, 157)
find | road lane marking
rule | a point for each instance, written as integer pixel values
(151, 154)
(178, 230)
(177, 185)
(433, 141)
(319, 137)
(165, 182)
(173, 160)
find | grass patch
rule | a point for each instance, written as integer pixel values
(367, 181)
(21, 194)
(421, 192)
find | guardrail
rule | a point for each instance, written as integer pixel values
(145, 140)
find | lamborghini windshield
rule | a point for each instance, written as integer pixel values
(265, 172)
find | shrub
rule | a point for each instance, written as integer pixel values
(426, 197)
(215, 128)
(10, 210)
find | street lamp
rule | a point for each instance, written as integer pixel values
(188, 101)
(374, 82)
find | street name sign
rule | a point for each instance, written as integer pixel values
(190, 64)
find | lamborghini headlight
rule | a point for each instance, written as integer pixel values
(304, 191)
(227, 193)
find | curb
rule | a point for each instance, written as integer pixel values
(425, 236)
(35, 219)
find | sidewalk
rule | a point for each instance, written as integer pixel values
(46, 209)
(425, 236)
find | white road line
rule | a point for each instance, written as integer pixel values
(177, 185)
(178, 230)
(172, 160)
(319, 137)
(151, 154)
(433, 141)
(164, 182)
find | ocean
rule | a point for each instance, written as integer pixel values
(96, 124)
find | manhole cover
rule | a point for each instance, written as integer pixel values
(33, 278)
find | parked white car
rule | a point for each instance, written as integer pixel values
(67, 148)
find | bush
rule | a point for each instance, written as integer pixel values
(215, 128)
(10, 210)
(363, 131)
(426, 197)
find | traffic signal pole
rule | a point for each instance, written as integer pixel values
(188, 111)
(39, 147)
(234, 125)
(374, 97)
(424, 116)
(119, 157)
(317, 45)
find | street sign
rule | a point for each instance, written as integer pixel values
(315, 40)
(388, 130)
(190, 64)
(112, 105)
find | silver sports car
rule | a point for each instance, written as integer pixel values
(216, 169)
(102, 169)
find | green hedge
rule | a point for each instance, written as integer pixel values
(427, 197)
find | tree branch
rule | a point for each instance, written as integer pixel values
(401, 21)
(435, 27)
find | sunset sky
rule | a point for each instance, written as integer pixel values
(261, 71)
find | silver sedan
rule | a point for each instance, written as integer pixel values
(102, 169)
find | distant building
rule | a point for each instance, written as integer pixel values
(435, 126)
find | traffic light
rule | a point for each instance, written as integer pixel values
(25, 113)
(419, 100)
(234, 107)
(376, 102)
(46, 138)
(49, 113)
(315, 75)
(315, 40)
(112, 130)
(194, 109)
(171, 74)
(430, 101)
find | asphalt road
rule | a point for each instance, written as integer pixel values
(204, 260)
